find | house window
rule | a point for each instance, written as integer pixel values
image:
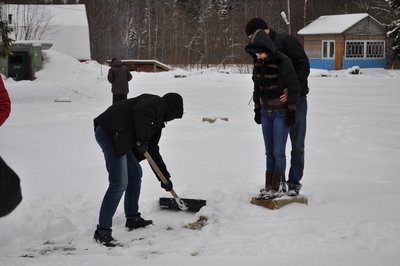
(354, 49)
(365, 49)
(328, 49)
(375, 49)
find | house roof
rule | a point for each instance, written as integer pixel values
(58, 15)
(333, 24)
(130, 62)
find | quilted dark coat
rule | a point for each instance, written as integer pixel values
(140, 119)
(272, 75)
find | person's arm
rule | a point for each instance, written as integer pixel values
(295, 51)
(144, 115)
(293, 89)
(291, 81)
(5, 103)
(110, 76)
(154, 151)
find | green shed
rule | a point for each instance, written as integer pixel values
(24, 60)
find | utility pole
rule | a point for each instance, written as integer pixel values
(288, 10)
(285, 18)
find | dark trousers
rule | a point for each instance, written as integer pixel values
(124, 176)
(118, 98)
(297, 136)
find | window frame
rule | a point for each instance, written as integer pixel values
(371, 49)
(330, 45)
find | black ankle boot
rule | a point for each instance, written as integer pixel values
(104, 239)
(137, 222)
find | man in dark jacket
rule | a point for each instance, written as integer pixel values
(295, 51)
(119, 76)
(124, 132)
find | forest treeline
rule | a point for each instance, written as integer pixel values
(198, 31)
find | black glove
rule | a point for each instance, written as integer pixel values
(141, 147)
(291, 115)
(168, 187)
(257, 116)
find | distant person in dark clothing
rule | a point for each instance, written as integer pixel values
(295, 51)
(125, 131)
(10, 190)
(119, 77)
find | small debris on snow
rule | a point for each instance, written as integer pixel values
(355, 70)
(63, 100)
(213, 119)
(200, 223)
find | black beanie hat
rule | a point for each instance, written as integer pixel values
(255, 24)
(174, 106)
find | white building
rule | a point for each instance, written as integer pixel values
(66, 26)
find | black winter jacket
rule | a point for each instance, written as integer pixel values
(272, 75)
(140, 119)
(10, 189)
(119, 76)
(291, 47)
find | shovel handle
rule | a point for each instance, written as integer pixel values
(159, 173)
(153, 164)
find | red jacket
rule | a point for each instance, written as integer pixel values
(5, 103)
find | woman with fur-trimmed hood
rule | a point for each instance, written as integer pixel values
(273, 72)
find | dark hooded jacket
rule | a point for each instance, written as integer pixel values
(140, 119)
(119, 76)
(291, 47)
(272, 75)
(10, 189)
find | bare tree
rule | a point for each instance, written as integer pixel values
(31, 22)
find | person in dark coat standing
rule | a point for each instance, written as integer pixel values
(125, 131)
(295, 51)
(119, 77)
(273, 73)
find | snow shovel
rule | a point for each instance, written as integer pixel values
(174, 203)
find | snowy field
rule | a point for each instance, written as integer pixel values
(351, 176)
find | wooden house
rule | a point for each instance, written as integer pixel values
(343, 41)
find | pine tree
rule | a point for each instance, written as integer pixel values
(6, 41)
(394, 28)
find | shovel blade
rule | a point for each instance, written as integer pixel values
(193, 205)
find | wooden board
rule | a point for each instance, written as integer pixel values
(277, 203)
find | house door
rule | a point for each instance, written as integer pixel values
(339, 56)
(18, 66)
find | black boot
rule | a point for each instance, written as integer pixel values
(277, 184)
(137, 222)
(294, 189)
(265, 193)
(268, 179)
(284, 185)
(104, 239)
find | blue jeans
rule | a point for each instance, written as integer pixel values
(124, 175)
(275, 133)
(297, 137)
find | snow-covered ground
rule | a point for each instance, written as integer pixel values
(351, 176)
